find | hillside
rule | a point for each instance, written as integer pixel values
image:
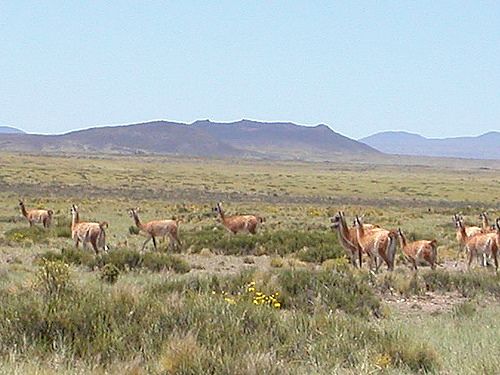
(486, 146)
(9, 130)
(202, 138)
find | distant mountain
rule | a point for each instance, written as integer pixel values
(486, 146)
(283, 138)
(9, 130)
(202, 138)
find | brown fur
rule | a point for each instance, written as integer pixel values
(422, 250)
(469, 231)
(480, 245)
(377, 243)
(157, 228)
(485, 227)
(239, 223)
(43, 217)
(348, 237)
(88, 232)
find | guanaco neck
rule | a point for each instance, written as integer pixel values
(75, 219)
(344, 233)
(486, 224)
(222, 215)
(137, 220)
(402, 240)
(23, 210)
(462, 232)
(359, 229)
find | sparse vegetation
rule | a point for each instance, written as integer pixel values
(66, 310)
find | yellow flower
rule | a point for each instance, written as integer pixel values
(277, 305)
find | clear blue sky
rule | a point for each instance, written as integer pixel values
(431, 67)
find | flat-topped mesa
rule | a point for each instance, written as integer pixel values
(422, 250)
(35, 216)
(157, 228)
(238, 223)
(88, 232)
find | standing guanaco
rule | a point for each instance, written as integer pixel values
(348, 237)
(379, 243)
(481, 245)
(88, 232)
(238, 223)
(418, 250)
(37, 216)
(156, 228)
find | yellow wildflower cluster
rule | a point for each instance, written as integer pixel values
(260, 298)
(383, 361)
(257, 297)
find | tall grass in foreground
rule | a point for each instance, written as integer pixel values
(181, 326)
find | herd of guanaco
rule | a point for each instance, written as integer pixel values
(377, 243)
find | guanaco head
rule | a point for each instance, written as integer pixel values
(73, 209)
(358, 222)
(218, 208)
(497, 222)
(457, 220)
(336, 220)
(50, 212)
(400, 232)
(21, 203)
(133, 211)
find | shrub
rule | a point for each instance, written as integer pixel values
(69, 256)
(34, 234)
(307, 290)
(320, 245)
(133, 230)
(62, 227)
(159, 262)
(109, 273)
(53, 277)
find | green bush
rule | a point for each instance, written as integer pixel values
(53, 277)
(133, 230)
(308, 290)
(109, 273)
(122, 259)
(311, 246)
(35, 234)
(468, 284)
(199, 332)
(69, 256)
(62, 227)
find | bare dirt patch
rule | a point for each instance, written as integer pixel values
(431, 302)
(210, 264)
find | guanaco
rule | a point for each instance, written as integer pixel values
(380, 243)
(485, 223)
(37, 216)
(239, 223)
(348, 237)
(469, 231)
(157, 228)
(481, 245)
(422, 250)
(88, 232)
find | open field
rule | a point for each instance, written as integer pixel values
(198, 311)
